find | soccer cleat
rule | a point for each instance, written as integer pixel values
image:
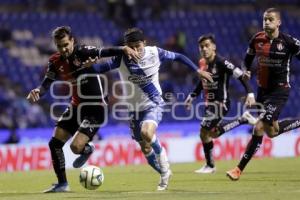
(250, 119)
(78, 162)
(206, 170)
(58, 187)
(164, 180)
(163, 162)
(234, 174)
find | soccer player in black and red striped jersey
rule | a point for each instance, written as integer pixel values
(86, 111)
(274, 51)
(217, 98)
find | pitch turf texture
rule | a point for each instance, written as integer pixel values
(263, 179)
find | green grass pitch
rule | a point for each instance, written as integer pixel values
(266, 179)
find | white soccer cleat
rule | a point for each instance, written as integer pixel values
(58, 187)
(164, 180)
(249, 118)
(206, 170)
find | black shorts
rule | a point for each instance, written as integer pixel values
(86, 119)
(213, 114)
(273, 101)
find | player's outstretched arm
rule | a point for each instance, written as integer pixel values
(168, 55)
(120, 50)
(185, 60)
(103, 67)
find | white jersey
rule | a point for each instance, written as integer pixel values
(141, 88)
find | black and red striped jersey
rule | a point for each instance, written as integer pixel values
(85, 81)
(221, 70)
(273, 58)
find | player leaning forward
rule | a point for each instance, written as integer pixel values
(217, 101)
(84, 115)
(145, 104)
(274, 51)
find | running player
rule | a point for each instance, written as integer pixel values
(82, 122)
(144, 99)
(274, 51)
(217, 98)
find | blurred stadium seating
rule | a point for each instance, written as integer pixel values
(23, 60)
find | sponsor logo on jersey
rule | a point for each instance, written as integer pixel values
(61, 68)
(260, 44)
(140, 79)
(280, 46)
(85, 123)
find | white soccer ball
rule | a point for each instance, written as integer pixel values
(91, 177)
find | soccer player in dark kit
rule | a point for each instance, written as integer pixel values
(217, 98)
(274, 51)
(86, 111)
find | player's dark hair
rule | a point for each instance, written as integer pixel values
(274, 10)
(209, 36)
(134, 35)
(62, 31)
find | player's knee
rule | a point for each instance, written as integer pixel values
(272, 133)
(270, 130)
(146, 149)
(259, 129)
(76, 148)
(204, 134)
(214, 133)
(146, 135)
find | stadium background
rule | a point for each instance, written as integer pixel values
(25, 45)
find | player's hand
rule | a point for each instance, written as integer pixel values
(132, 54)
(188, 102)
(250, 100)
(205, 75)
(246, 76)
(89, 62)
(34, 95)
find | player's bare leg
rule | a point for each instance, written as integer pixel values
(81, 145)
(148, 130)
(252, 147)
(150, 155)
(208, 145)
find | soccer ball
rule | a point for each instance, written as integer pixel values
(91, 177)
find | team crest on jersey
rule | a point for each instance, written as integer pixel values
(61, 68)
(280, 46)
(260, 44)
(76, 62)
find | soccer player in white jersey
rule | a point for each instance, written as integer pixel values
(143, 96)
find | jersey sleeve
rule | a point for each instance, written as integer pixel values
(295, 47)
(112, 63)
(50, 76)
(232, 69)
(165, 55)
(86, 51)
(250, 54)
(169, 55)
(92, 51)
